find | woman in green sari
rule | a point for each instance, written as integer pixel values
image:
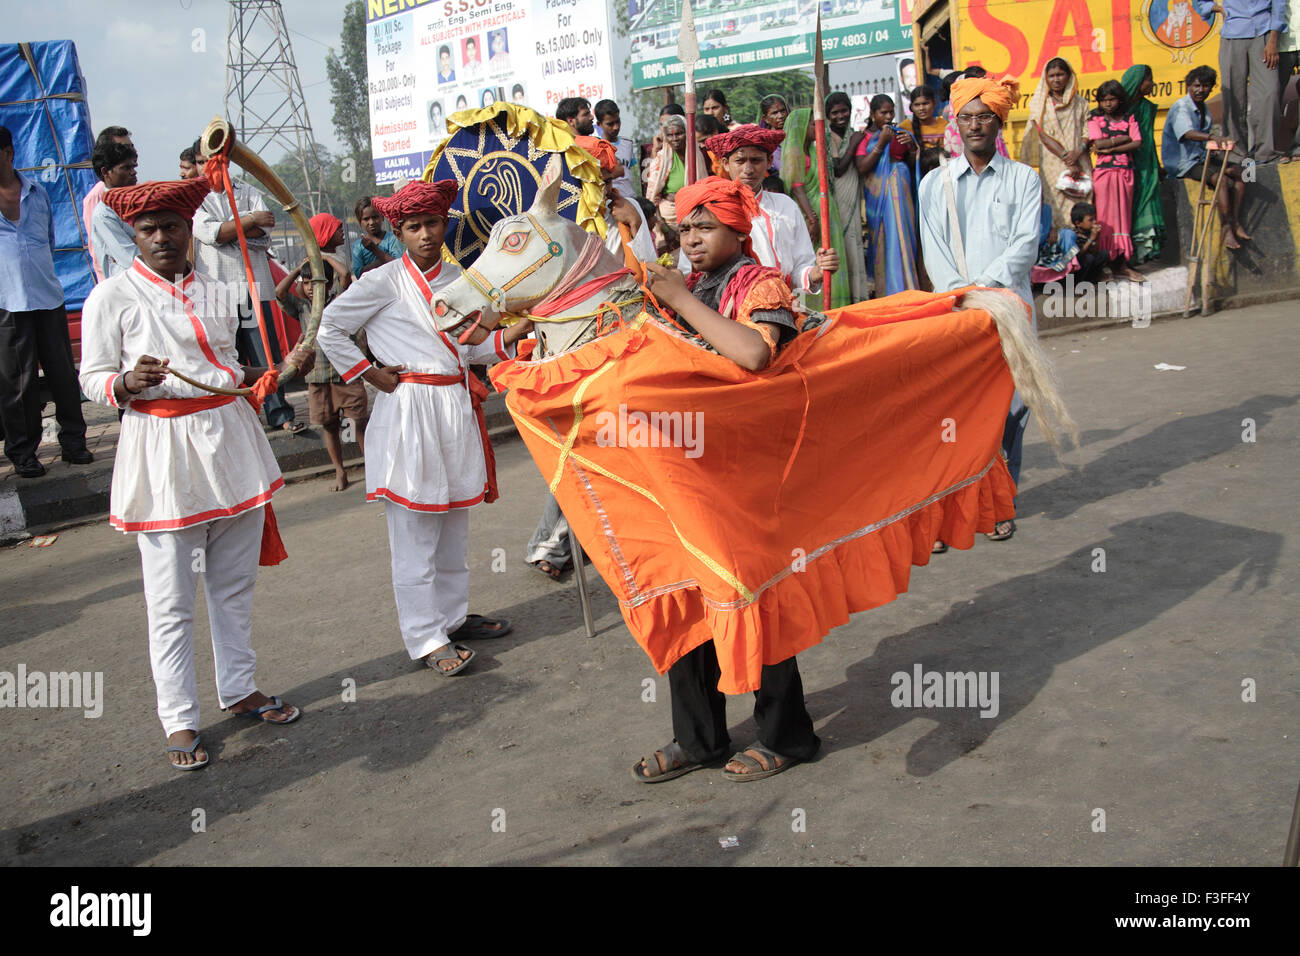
(1148, 230)
(803, 185)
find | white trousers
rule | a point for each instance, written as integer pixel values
(225, 552)
(430, 552)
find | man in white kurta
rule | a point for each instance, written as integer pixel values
(193, 474)
(779, 233)
(427, 457)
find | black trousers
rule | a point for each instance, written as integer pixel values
(29, 339)
(700, 709)
(248, 343)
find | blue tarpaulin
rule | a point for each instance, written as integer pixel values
(43, 104)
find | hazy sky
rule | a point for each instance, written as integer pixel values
(142, 71)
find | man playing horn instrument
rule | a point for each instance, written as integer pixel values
(194, 473)
(427, 457)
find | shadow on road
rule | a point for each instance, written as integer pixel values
(1023, 628)
(1026, 627)
(1140, 462)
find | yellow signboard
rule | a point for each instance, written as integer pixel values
(1099, 38)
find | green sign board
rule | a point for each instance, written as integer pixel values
(740, 37)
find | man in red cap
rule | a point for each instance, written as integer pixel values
(428, 456)
(745, 311)
(194, 474)
(329, 398)
(779, 231)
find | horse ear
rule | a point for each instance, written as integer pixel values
(548, 193)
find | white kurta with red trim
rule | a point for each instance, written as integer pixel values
(175, 472)
(780, 238)
(423, 448)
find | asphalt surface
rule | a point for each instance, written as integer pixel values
(1120, 692)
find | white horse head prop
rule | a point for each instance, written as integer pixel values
(531, 260)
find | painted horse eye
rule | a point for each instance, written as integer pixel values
(515, 241)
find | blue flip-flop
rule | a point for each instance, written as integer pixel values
(198, 765)
(261, 712)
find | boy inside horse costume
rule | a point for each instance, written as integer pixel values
(428, 456)
(823, 477)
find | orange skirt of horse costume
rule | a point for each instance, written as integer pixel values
(760, 510)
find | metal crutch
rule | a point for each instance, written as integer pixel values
(580, 575)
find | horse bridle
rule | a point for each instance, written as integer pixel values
(495, 295)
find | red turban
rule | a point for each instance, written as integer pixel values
(731, 201)
(323, 225)
(998, 95)
(417, 198)
(181, 196)
(602, 149)
(747, 134)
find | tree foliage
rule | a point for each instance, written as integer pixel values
(349, 95)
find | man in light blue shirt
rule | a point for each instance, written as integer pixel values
(33, 325)
(1248, 44)
(999, 207)
(1183, 151)
(112, 241)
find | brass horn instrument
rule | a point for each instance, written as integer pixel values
(219, 138)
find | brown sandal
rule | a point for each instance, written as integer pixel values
(999, 535)
(666, 764)
(448, 652)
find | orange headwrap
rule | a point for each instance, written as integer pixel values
(731, 201)
(998, 95)
(181, 196)
(747, 134)
(416, 198)
(603, 150)
(323, 226)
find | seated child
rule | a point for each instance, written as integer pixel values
(745, 312)
(1086, 235)
(1057, 251)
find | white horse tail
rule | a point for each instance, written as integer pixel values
(1031, 369)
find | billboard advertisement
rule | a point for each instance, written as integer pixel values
(740, 37)
(427, 60)
(1100, 38)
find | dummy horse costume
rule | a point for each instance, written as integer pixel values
(754, 509)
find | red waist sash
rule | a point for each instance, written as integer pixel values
(175, 407)
(477, 394)
(273, 551)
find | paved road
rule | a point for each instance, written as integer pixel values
(1119, 692)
